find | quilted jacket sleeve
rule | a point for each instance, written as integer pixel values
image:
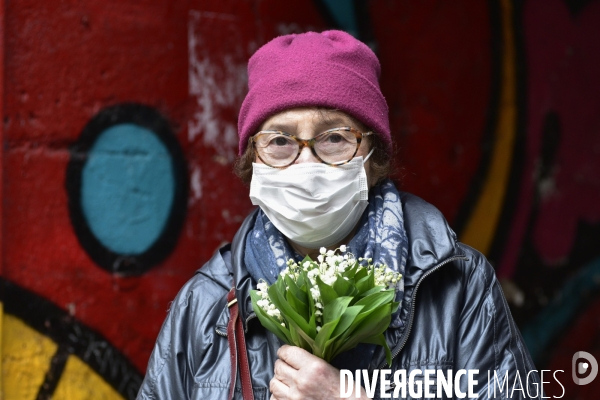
(186, 343)
(163, 379)
(497, 349)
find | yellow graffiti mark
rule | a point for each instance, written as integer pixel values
(480, 229)
(79, 381)
(26, 356)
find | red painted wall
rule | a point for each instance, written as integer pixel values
(67, 61)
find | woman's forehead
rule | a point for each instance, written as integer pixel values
(318, 118)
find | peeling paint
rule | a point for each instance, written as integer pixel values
(196, 185)
(217, 82)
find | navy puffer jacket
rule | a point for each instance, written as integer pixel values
(454, 317)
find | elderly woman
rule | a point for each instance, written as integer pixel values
(315, 147)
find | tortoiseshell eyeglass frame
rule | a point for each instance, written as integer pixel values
(311, 144)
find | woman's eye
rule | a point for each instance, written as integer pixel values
(335, 138)
(279, 141)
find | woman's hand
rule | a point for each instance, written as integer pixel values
(300, 375)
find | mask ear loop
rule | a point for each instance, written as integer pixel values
(368, 155)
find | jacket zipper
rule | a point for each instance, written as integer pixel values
(414, 298)
(224, 334)
(251, 316)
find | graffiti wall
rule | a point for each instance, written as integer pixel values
(119, 133)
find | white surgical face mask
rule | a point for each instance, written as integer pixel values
(312, 204)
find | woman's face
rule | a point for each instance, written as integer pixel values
(306, 123)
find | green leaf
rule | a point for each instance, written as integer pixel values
(343, 287)
(335, 309)
(310, 343)
(279, 286)
(360, 296)
(297, 298)
(270, 323)
(300, 307)
(376, 320)
(293, 288)
(344, 323)
(327, 292)
(372, 323)
(290, 315)
(376, 299)
(360, 273)
(299, 340)
(375, 289)
(364, 284)
(350, 273)
(306, 258)
(367, 324)
(275, 327)
(313, 322)
(302, 279)
(380, 340)
(322, 337)
(346, 320)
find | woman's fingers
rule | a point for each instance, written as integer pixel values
(295, 357)
(284, 373)
(301, 375)
(278, 389)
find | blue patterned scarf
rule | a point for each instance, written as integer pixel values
(380, 236)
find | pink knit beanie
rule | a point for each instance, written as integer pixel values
(330, 69)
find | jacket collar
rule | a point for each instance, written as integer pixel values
(430, 238)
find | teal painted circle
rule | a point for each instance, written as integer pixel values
(127, 188)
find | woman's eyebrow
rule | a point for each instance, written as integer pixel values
(335, 121)
(321, 123)
(279, 126)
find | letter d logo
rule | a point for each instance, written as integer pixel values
(582, 367)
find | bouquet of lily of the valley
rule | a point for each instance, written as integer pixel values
(330, 305)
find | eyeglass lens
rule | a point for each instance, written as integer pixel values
(332, 146)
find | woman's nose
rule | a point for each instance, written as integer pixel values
(306, 156)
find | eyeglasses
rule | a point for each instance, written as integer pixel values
(335, 146)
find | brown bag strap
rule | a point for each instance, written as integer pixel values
(237, 349)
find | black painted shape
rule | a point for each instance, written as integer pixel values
(551, 132)
(513, 193)
(541, 283)
(576, 6)
(364, 24)
(487, 141)
(150, 119)
(362, 17)
(326, 14)
(72, 337)
(52, 378)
